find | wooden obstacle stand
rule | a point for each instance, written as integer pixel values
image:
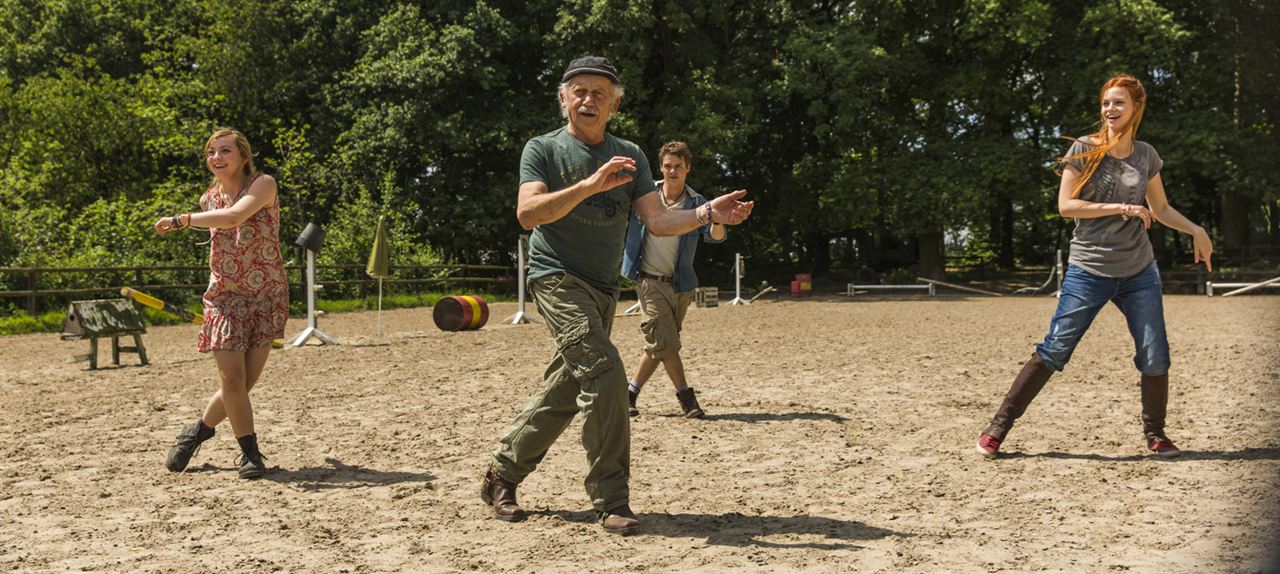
(706, 297)
(100, 318)
(461, 313)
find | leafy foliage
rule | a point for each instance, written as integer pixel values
(879, 126)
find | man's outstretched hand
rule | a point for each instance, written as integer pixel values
(727, 210)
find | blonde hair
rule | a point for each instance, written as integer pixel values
(1101, 141)
(242, 144)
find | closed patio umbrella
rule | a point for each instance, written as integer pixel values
(379, 263)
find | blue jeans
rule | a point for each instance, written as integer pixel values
(1141, 299)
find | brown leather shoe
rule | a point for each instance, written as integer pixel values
(619, 520)
(500, 493)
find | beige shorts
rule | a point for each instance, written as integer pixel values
(663, 310)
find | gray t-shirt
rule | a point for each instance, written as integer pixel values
(588, 241)
(1110, 246)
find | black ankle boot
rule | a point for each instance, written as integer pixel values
(187, 445)
(251, 462)
(689, 403)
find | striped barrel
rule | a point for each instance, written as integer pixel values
(460, 313)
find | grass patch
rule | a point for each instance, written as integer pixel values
(23, 323)
(51, 322)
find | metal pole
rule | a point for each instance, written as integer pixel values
(520, 316)
(311, 329)
(311, 289)
(1058, 267)
(737, 281)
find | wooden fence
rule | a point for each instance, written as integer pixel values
(109, 280)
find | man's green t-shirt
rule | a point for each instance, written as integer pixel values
(588, 241)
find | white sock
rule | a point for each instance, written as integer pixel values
(633, 387)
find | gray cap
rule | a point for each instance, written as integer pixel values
(591, 65)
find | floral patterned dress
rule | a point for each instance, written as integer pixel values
(247, 302)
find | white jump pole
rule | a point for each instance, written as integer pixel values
(737, 281)
(1249, 288)
(312, 329)
(520, 316)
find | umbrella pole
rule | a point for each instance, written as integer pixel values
(379, 306)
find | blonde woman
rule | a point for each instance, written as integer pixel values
(1111, 186)
(247, 302)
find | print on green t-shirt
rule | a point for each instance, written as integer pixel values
(588, 241)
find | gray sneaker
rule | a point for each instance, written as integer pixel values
(187, 445)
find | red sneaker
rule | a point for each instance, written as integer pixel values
(989, 446)
(1162, 446)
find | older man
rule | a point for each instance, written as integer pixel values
(578, 185)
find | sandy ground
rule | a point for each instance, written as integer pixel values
(840, 438)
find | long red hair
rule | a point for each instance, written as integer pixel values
(1101, 141)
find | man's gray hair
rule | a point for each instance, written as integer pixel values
(618, 91)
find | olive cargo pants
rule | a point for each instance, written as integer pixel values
(585, 376)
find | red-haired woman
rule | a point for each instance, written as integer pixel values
(1107, 178)
(247, 302)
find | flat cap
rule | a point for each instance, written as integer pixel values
(591, 65)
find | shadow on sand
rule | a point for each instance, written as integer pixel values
(768, 417)
(1268, 453)
(734, 529)
(335, 475)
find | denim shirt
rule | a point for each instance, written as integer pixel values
(685, 279)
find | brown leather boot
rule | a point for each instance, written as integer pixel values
(1033, 376)
(500, 493)
(1155, 398)
(619, 520)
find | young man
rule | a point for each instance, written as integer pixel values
(662, 268)
(578, 185)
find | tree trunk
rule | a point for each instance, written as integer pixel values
(1158, 247)
(819, 248)
(931, 262)
(1235, 222)
(1001, 219)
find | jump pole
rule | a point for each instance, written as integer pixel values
(960, 287)
(766, 290)
(737, 281)
(520, 316)
(1249, 288)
